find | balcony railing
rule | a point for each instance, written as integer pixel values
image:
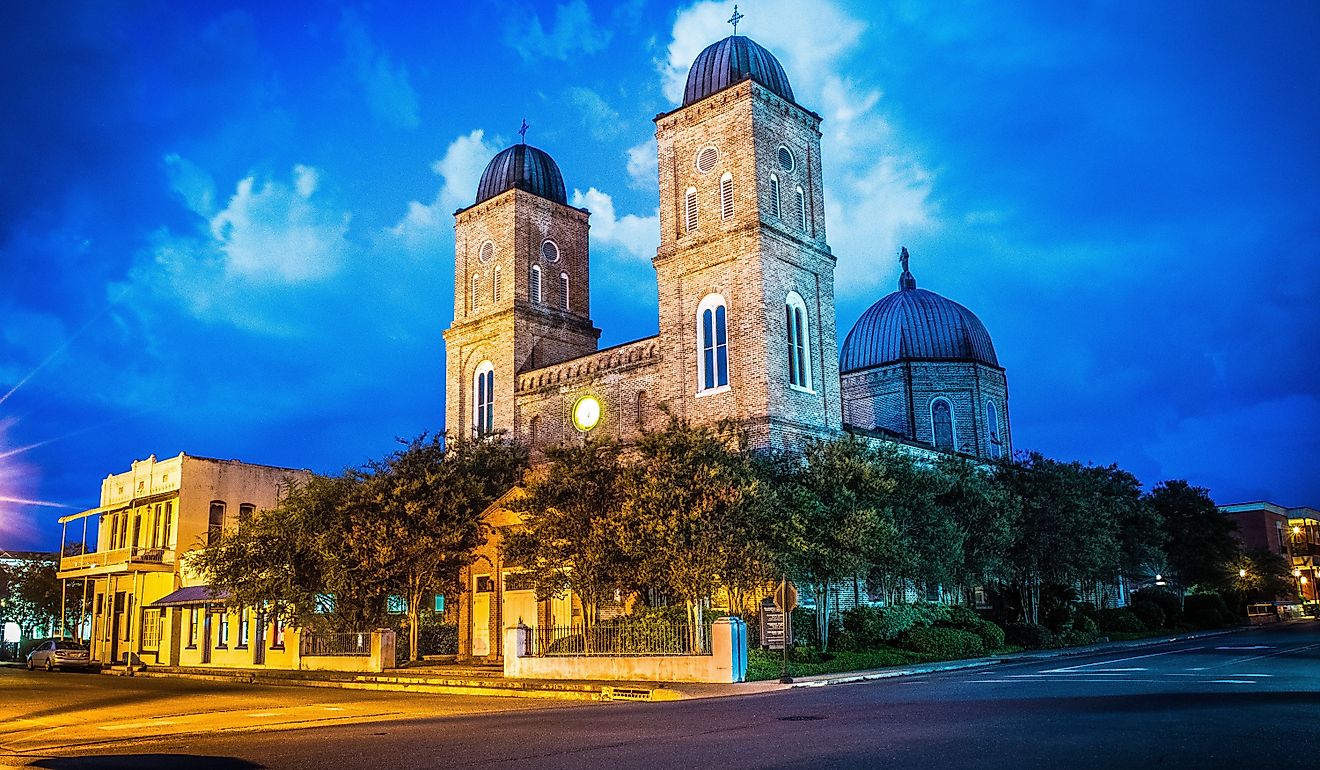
(117, 557)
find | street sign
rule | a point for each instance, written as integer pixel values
(772, 626)
(786, 597)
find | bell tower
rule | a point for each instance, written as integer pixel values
(521, 289)
(746, 279)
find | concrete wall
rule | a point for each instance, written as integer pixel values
(727, 662)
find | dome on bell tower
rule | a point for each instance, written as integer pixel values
(731, 61)
(523, 167)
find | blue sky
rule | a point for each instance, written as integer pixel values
(226, 228)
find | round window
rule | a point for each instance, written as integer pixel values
(586, 413)
(706, 159)
(786, 161)
(549, 251)
(487, 252)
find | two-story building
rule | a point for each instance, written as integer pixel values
(1293, 533)
(144, 603)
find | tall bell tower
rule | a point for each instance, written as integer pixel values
(747, 321)
(521, 289)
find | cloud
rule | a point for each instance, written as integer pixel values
(15, 481)
(638, 237)
(573, 31)
(877, 196)
(424, 225)
(601, 119)
(386, 85)
(642, 162)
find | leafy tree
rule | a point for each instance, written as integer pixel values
(686, 503)
(1200, 538)
(31, 593)
(987, 514)
(571, 535)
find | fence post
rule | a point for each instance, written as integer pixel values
(728, 647)
(383, 649)
(516, 639)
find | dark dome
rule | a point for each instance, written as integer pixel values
(522, 167)
(731, 61)
(915, 324)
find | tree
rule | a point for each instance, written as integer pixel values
(415, 519)
(571, 533)
(687, 499)
(987, 514)
(839, 499)
(1200, 541)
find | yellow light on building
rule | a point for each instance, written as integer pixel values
(586, 413)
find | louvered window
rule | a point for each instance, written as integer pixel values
(774, 196)
(801, 210)
(495, 286)
(563, 289)
(534, 290)
(690, 209)
(726, 196)
(476, 291)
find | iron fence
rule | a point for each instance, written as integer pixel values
(316, 643)
(619, 638)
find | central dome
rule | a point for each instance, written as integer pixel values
(730, 61)
(523, 167)
(915, 324)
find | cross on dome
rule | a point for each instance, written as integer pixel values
(735, 18)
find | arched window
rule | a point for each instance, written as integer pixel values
(495, 285)
(941, 418)
(476, 291)
(563, 289)
(726, 196)
(534, 289)
(801, 210)
(483, 399)
(712, 344)
(534, 429)
(774, 196)
(215, 522)
(994, 445)
(799, 341)
(690, 209)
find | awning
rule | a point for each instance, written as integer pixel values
(93, 512)
(190, 595)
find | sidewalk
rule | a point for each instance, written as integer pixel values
(476, 680)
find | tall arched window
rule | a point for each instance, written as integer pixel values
(476, 291)
(799, 341)
(993, 444)
(534, 289)
(726, 196)
(801, 210)
(563, 289)
(712, 344)
(690, 209)
(941, 418)
(534, 429)
(495, 285)
(774, 196)
(483, 399)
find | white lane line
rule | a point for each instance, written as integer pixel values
(1232, 681)
(134, 725)
(1253, 675)
(1249, 647)
(1286, 651)
(261, 714)
(1119, 660)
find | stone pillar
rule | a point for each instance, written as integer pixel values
(515, 647)
(382, 649)
(728, 646)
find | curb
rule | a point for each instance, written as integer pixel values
(867, 676)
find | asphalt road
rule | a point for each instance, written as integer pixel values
(1240, 700)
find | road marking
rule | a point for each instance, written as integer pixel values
(1286, 651)
(1249, 647)
(132, 725)
(1232, 681)
(1119, 660)
(1256, 675)
(262, 714)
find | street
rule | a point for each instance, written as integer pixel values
(1236, 700)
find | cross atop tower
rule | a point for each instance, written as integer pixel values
(523, 131)
(735, 18)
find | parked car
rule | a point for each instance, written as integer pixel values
(59, 653)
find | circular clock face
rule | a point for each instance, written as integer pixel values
(586, 413)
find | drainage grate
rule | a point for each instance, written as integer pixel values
(624, 693)
(801, 718)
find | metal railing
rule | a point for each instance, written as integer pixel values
(315, 643)
(620, 638)
(125, 556)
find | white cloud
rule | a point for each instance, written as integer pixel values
(637, 236)
(642, 162)
(876, 195)
(601, 119)
(573, 31)
(193, 184)
(386, 85)
(424, 225)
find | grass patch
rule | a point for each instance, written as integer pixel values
(1128, 636)
(766, 664)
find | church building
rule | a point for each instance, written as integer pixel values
(747, 327)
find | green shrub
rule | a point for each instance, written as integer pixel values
(1032, 636)
(1076, 638)
(1205, 618)
(873, 626)
(1149, 613)
(1215, 602)
(1086, 623)
(992, 636)
(966, 618)
(437, 638)
(1118, 619)
(943, 642)
(1166, 599)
